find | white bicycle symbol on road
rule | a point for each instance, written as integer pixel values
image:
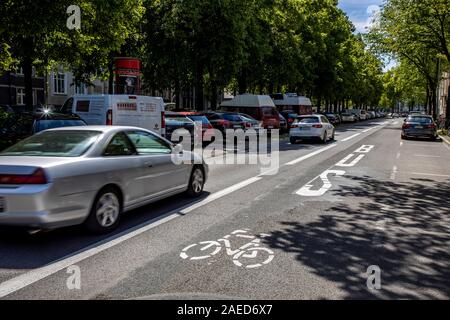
(251, 255)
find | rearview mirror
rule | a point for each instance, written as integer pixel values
(178, 149)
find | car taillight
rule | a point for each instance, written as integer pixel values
(406, 126)
(109, 118)
(317, 126)
(225, 123)
(295, 125)
(248, 125)
(163, 120)
(290, 120)
(38, 177)
(431, 126)
(209, 126)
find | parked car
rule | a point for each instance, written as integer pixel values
(175, 121)
(225, 120)
(283, 124)
(348, 117)
(90, 175)
(372, 114)
(334, 118)
(355, 112)
(206, 125)
(18, 126)
(419, 126)
(311, 127)
(290, 116)
(250, 122)
(364, 115)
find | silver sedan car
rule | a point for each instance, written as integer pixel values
(91, 175)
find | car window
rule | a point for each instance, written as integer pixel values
(268, 111)
(420, 119)
(309, 120)
(231, 117)
(54, 144)
(45, 124)
(120, 145)
(201, 119)
(147, 143)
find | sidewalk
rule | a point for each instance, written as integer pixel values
(445, 139)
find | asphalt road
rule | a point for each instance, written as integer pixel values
(381, 203)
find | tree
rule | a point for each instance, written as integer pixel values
(37, 35)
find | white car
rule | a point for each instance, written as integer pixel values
(348, 117)
(311, 127)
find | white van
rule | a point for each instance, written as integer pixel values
(121, 110)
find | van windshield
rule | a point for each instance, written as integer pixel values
(268, 111)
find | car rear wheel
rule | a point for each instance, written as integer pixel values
(196, 183)
(333, 137)
(324, 138)
(105, 213)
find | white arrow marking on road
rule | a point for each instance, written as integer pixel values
(306, 190)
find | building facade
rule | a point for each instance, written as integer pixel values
(444, 95)
(61, 86)
(12, 88)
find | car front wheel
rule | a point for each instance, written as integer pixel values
(105, 213)
(196, 183)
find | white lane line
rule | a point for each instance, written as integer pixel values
(394, 173)
(367, 130)
(33, 276)
(351, 137)
(310, 155)
(430, 174)
(426, 156)
(398, 155)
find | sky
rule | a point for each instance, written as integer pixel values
(361, 13)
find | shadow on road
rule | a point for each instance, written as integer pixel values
(20, 250)
(404, 228)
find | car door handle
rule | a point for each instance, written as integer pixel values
(149, 165)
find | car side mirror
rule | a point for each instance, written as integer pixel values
(178, 149)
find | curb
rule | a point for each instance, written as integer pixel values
(446, 140)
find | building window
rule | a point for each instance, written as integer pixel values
(59, 83)
(20, 96)
(19, 71)
(81, 88)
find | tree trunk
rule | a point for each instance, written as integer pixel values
(242, 82)
(199, 86)
(177, 94)
(447, 109)
(111, 77)
(213, 95)
(319, 102)
(28, 73)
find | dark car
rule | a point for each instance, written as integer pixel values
(19, 126)
(290, 117)
(332, 117)
(175, 121)
(283, 123)
(419, 126)
(250, 122)
(225, 120)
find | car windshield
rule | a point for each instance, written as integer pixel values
(309, 120)
(420, 119)
(204, 120)
(67, 143)
(45, 124)
(178, 121)
(232, 117)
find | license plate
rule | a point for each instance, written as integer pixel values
(270, 127)
(418, 127)
(2, 204)
(305, 128)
